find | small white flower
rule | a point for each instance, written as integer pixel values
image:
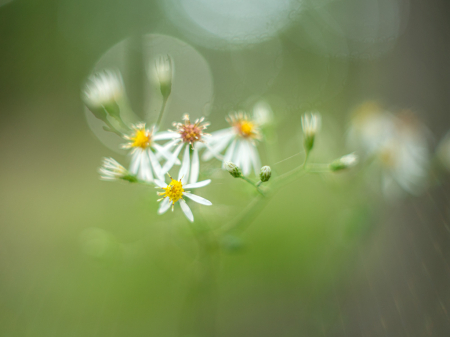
(103, 89)
(164, 72)
(311, 123)
(144, 162)
(344, 162)
(262, 114)
(187, 136)
(240, 142)
(399, 143)
(175, 191)
(112, 170)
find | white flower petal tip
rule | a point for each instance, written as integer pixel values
(198, 199)
(198, 184)
(186, 210)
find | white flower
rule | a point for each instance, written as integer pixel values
(164, 73)
(262, 114)
(144, 162)
(239, 141)
(103, 89)
(188, 136)
(311, 123)
(175, 191)
(399, 143)
(112, 170)
(344, 162)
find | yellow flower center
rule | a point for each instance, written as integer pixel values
(174, 191)
(246, 128)
(141, 139)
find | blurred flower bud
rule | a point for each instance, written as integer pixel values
(262, 114)
(310, 126)
(266, 173)
(164, 72)
(103, 90)
(112, 170)
(234, 170)
(344, 162)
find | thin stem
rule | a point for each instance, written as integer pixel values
(111, 128)
(161, 112)
(306, 159)
(253, 184)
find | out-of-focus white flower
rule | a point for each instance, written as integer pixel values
(399, 143)
(262, 114)
(370, 128)
(103, 89)
(344, 162)
(311, 123)
(188, 136)
(144, 162)
(112, 170)
(240, 140)
(164, 72)
(175, 191)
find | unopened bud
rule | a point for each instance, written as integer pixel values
(164, 72)
(344, 162)
(310, 126)
(266, 173)
(234, 170)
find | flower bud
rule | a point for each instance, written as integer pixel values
(266, 173)
(164, 72)
(344, 162)
(234, 170)
(310, 126)
(112, 170)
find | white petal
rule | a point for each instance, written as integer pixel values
(254, 156)
(160, 183)
(245, 158)
(230, 151)
(198, 199)
(156, 167)
(237, 157)
(161, 151)
(184, 170)
(135, 161)
(198, 184)
(164, 206)
(164, 135)
(186, 210)
(195, 167)
(217, 147)
(145, 172)
(168, 165)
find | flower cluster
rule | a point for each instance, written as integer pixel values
(154, 153)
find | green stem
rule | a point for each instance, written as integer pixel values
(112, 128)
(253, 184)
(161, 112)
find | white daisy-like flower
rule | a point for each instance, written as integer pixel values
(103, 89)
(398, 143)
(187, 138)
(144, 162)
(344, 162)
(112, 170)
(240, 142)
(175, 191)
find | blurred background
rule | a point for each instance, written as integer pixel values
(328, 256)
